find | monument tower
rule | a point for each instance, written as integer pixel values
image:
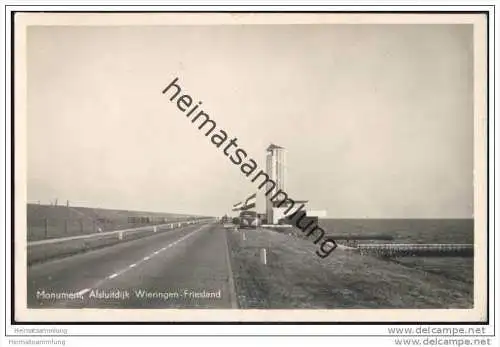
(276, 170)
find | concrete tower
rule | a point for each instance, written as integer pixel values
(275, 168)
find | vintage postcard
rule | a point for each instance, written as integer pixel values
(254, 167)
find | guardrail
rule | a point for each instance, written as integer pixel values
(120, 233)
(46, 249)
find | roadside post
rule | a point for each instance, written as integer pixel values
(263, 256)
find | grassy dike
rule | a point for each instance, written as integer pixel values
(38, 253)
(295, 277)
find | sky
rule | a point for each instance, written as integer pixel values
(377, 120)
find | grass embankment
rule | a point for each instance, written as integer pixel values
(52, 222)
(456, 268)
(295, 277)
(46, 222)
(50, 251)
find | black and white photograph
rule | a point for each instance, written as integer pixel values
(250, 167)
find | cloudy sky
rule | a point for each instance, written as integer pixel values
(377, 120)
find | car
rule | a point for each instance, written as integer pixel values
(248, 219)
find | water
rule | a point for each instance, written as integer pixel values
(406, 230)
(416, 231)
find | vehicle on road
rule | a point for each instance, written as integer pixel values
(225, 219)
(248, 219)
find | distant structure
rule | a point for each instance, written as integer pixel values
(276, 170)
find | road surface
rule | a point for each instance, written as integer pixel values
(188, 267)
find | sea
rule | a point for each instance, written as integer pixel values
(405, 230)
(453, 231)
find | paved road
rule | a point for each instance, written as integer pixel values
(183, 268)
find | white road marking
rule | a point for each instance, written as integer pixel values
(141, 261)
